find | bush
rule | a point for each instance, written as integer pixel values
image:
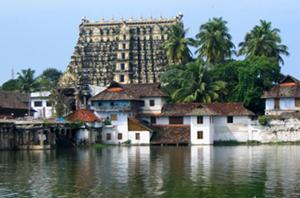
(264, 120)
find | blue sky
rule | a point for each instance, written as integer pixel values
(43, 33)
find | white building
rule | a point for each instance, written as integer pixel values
(283, 98)
(41, 103)
(119, 104)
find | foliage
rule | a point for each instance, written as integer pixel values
(262, 40)
(107, 121)
(214, 41)
(61, 102)
(191, 83)
(247, 79)
(264, 120)
(52, 75)
(27, 80)
(176, 46)
(11, 85)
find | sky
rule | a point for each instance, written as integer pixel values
(39, 34)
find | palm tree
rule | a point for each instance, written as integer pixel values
(176, 46)
(192, 83)
(263, 40)
(214, 41)
(27, 80)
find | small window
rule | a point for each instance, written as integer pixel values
(176, 120)
(277, 102)
(199, 119)
(124, 46)
(143, 103)
(114, 117)
(137, 136)
(122, 78)
(108, 136)
(123, 56)
(229, 119)
(124, 37)
(112, 104)
(153, 120)
(199, 135)
(99, 104)
(120, 136)
(152, 103)
(49, 104)
(38, 103)
(122, 66)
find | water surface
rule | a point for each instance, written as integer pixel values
(197, 171)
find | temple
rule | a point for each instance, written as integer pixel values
(124, 51)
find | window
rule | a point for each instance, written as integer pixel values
(99, 104)
(199, 119)
(137, 136)
(153, 120)
(38, 103)
(152, 103)
(120, 136)
(297, 102)
(122, 66)
(276, 103)
(124, 46)
(113, 117)
(229, 119)
(108, 136)
(49, 104)
(122, 78)
(124, 37)
(123, 56)
(176, 120)
(112, 104)
(143, 103)
(199, 135)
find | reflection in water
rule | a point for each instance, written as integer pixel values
(197, 171)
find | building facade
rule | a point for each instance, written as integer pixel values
(40, 102)
(126, 51)
(283, 98)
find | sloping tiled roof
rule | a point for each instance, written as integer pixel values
(205, 109)
(82, 115)
(118, 91)
(171, 134)
(135, 125)
(13, 100)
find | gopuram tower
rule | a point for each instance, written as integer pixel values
(126, 51)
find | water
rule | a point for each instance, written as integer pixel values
(197, 171)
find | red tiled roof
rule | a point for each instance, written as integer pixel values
(82, 115)
(135, 125)
(171, 134)
(118, 91)
(205, 109)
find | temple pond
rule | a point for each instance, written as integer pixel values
(195, 171)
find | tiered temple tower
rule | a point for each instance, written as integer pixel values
(126, 51)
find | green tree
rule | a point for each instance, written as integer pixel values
(214, 41)
(11, 85)
(263, 40)
(27, 80)
(247, 79)
(176, 46)
(191, 83)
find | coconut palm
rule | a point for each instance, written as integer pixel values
(176, 45)
(27, 81)
(263, 40)
(214, 41)
(192, 83)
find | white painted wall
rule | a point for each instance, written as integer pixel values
(206, 127)
(287, 103)
(270, 103)
(159, 102)
(144, 137)
(43, 111)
